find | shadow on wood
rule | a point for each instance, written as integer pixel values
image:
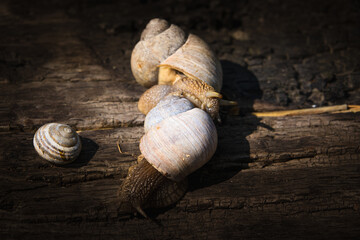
(88, 151)
(231, 157)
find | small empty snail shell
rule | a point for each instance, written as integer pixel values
(57, 143)
(167, 47)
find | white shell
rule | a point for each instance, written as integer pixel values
(165, 49)
(167, 107)
(196, 60)
(57, 143)
(154, 47)
(154, 27)
(180, 144)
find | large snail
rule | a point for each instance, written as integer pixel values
(180, 135)
(57, 143)
(178, 140)
(164, 51)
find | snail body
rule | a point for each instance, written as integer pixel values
(57, 143)
(145, 187)
(200, 94)
(151, 97)
(197, 92)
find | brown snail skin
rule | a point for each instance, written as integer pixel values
(151, 97)
(180, 135)
(199, 93)
(145, 187)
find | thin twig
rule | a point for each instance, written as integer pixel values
(305, 111)
(118, 145)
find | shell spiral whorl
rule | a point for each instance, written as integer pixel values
(57, 143)
(158, 41)
(180, 144)
(167, 107)
(165, 50)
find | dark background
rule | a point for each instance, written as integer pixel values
(303, 53)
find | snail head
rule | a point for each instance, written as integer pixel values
(211, 104)
(200, 94)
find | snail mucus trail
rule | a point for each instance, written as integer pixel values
(156, 180)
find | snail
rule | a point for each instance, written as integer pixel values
(167, 56)
(165, 51)
(179, 138)
(57, 143)
(184, 78)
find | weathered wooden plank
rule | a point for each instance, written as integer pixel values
(84, 105)
(49, 74)
(294, 169)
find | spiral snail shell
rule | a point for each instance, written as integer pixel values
(182, 142)
(176, 143)
(195, 60)
(167, 47)
(158, 41)
(57, 143)
(170, 106)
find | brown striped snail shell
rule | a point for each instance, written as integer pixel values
(57, 143)
(167, 47)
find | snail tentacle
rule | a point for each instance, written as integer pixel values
(224, 102)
